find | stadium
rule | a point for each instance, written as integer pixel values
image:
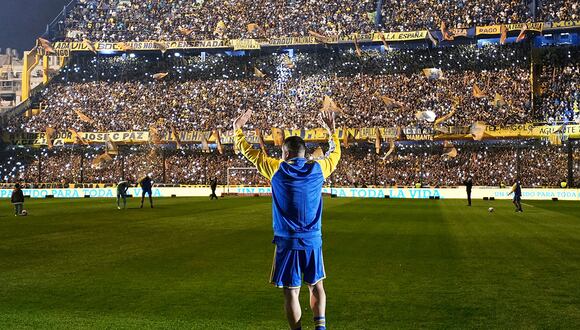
(155, 155)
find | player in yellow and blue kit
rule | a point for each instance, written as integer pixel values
(297, 214)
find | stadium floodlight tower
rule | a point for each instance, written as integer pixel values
(233, 172)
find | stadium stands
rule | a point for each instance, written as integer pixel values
(122, 96)
(494, 164)
(384, 87)
(130, 20)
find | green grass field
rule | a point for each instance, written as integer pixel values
(195, 264)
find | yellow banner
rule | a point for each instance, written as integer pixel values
(496, 29)
(400, 36)
(491, 29)
(245, 44)
(561, 25)
(527, 131)
(537, 26)
(64, 48)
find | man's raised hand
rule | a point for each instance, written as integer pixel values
(242, 120)
(327, 120)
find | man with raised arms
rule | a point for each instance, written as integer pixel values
(297, 216)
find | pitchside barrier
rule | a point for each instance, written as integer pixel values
(412, 193)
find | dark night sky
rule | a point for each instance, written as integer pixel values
(22, 21)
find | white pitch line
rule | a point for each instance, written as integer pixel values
(527, 205)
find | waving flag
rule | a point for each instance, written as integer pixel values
(477, 130)
(261, 141)
(111, 146)
(328, 105)
(184, 31)
(77, 137)
(252, 27)
(49, 132)
(204, 144)
(46, 45)
(175, 136)
(84, 117)
(161, 46)
(522, 34)
(160, 75)
(319, 37)
(154, 134)
(378, 140)
(90, 45)
(278, 136)
(218, 141)
(477, 92)
(446, 34)
(503, 37)
(449, 150)
(258, 73)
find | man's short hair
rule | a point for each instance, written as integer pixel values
(295, 145)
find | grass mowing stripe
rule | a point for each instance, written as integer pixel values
(195, 264)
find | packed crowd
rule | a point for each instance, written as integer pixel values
(557, 10)
(383, 90)
(411, 15)
(131, 20)
(561, 93)
(490, 164)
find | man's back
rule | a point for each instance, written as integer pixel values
(297, 199)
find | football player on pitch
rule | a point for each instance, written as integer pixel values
(297, 214)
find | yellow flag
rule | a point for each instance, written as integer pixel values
(252, 27)
(261, 141)
(357, 49)
(154, 135)
(278, 136)
(111, 146)
(160, 75)
(503, 37)
(258, 73)
(319, 37)
(522, 34)
(477, 130)
(391, 103)
(378, 140)
(288, 62)
(328, 105)
(84, 117)
(204, 144)
(318, 153)
(184, 31)
(175, 136)
(382, 35)
(125, 47)
(477, 92)
(220, 28)
(498, 100)
(77, 137)
(90, 45)
(445, 118)
(391, 148)
(49, 133)
(100, 160)
(345, 137)
(445, 32)
(218, 141)
(449, 149)
(161, 46)
(46, 45)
